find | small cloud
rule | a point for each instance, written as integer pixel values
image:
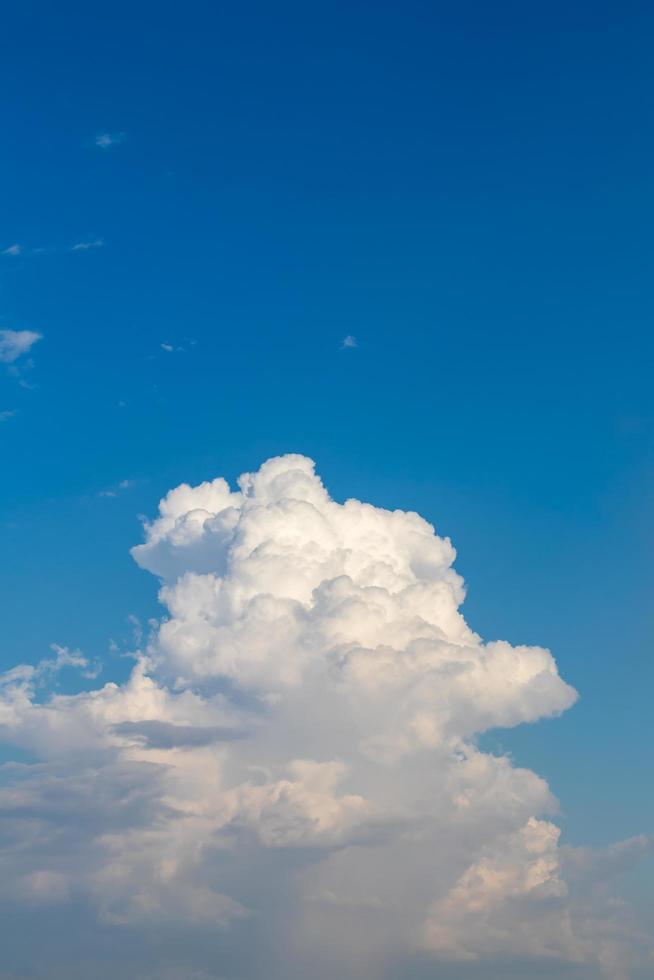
(170, 348)
(65, 657)
(105, 140)
(77, 247)
(349, 341)
(8, 414)
(115, 490)
(84, 246)
(42, 673)
(137, 628)
(15, 343)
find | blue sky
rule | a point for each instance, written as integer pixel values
(464, 189)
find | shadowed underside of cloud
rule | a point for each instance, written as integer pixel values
(288, 785)
(163, 735)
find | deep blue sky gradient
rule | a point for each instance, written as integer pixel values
(465, 188)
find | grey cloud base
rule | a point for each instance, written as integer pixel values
(288, 785)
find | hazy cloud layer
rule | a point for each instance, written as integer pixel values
(288, 785)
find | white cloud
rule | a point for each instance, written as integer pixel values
(105, 140)
(85, 246)
(82, 246)
(349, 341)
(16, 343)
(292, 764)
(115, 490)
(170, 348)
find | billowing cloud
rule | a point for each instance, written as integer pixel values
(289, 782)
(16, 343)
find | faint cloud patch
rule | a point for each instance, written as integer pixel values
(117, 488)
(8, 413)
(105, 140)
(35, 675)
(137, 629)
(16, 343)
(171, 348)
(85, 246)
(349, 342)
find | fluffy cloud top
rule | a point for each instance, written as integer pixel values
(292, 768)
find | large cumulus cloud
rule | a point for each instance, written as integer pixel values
(289, 782)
